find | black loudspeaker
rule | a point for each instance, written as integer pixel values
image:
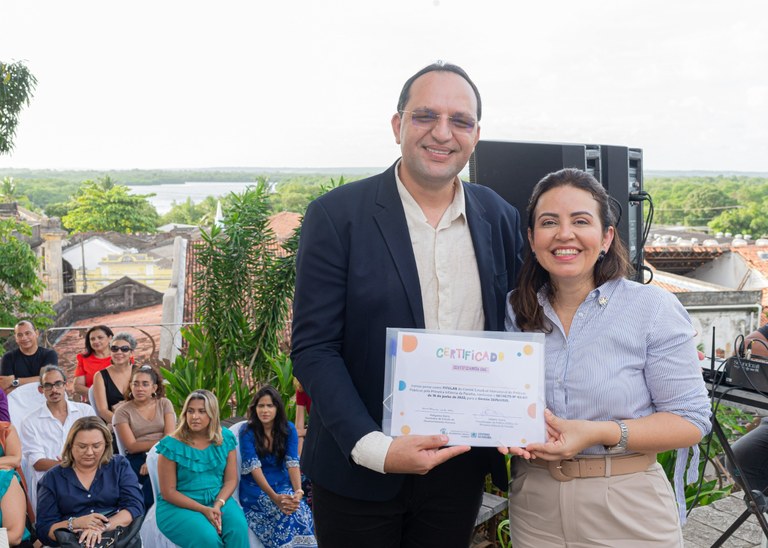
(513, 168)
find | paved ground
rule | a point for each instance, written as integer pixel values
(706, 524)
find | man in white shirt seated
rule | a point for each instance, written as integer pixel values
(45, 429)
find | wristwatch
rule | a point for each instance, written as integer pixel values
(620, 447)
(71, 524)
(15, 383)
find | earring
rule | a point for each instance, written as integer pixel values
(601, 256)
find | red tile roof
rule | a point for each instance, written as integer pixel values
(751, 255)
(284, 224)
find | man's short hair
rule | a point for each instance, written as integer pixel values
(28, 322)
(48, 368)
(442, 67)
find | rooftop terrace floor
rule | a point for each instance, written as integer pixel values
(707, 523)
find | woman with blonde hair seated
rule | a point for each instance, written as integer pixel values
(91, 493)
(197, 468)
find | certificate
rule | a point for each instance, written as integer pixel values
(478, 388)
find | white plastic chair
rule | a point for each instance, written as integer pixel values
(150, 532)
(118, 441)
(235, 429)
(92, 398)
(30, 474)
(22, 401)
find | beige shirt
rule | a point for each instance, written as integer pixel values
(144, 430)
(450, 287)
(445, 259)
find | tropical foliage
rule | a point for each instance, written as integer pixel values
(20, 286)
(246, 282)
(103, 206)
(200, 368)
(243, 293)
(9, 192)
(16, 87)
(734, 204)
(706, 491)
(191, 213)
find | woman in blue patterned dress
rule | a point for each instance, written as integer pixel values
(197, 467)
(270, 481)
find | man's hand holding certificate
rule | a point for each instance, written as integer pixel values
(477, 388)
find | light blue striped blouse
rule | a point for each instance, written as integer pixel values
(630, 352)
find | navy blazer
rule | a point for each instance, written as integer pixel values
(357, 276)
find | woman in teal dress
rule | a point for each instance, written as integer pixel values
(197, 468)
(13, 504)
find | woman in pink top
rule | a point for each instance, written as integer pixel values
(96, 357)
(142, 420)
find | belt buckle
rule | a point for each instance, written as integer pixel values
(556, 470)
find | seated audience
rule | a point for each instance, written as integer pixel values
(13, 503)
(91, 492)
(142, 420)
(95, 358)
(751, 450)
(22, 366)
(270, 483)
(197, 468)
(44, 431)
(111, 383)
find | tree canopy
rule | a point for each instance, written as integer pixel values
(16, 87)
(103, 205)
(735, 204)
(190, 213)
(20, 285)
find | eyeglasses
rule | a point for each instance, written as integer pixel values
(426, 119)
(125, 349)
(48, 386)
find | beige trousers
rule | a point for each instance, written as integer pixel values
(630, 511)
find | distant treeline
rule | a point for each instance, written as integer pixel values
(736, 203)
(46, 187)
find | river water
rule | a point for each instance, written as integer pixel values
(166, 194)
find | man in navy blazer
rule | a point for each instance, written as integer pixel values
(412, 247)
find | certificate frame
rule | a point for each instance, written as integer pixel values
(480, 388)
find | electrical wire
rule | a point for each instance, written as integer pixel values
(643, 196)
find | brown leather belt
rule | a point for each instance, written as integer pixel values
(603, 466)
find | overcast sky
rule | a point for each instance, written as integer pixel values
(313, 83)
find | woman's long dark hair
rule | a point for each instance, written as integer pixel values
(88, 348)
(529, 315)
(279, 428)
